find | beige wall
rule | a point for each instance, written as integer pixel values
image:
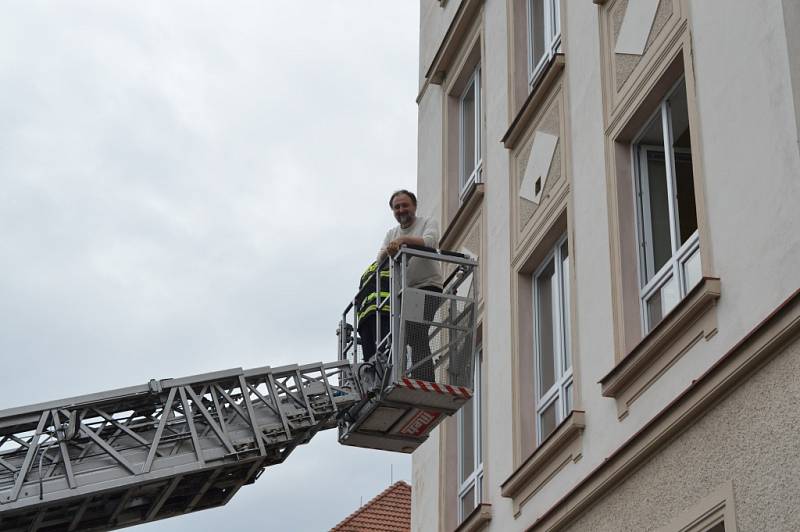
(749, 439)
(429, 150)
(434, 20)
(429, 188)
(746, 73)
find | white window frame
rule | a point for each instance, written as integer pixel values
(560, 392)
(675, 267)
(552, 31)
(468, 176)
(474, 479)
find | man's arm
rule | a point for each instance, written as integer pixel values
(393, 247)
(429, 239)
(430, 234)
(409, 241)
(382, 251)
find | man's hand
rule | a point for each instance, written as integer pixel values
(394, 246)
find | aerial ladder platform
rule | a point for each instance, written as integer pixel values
(119, 458)
(423, 368)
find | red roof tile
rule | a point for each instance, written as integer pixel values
(390, 511)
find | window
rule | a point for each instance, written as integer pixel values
(552, 341)
(713, 513)
(544, 35)
(669, 262)
(470, 133)
(470, 460)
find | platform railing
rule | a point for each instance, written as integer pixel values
(431, 334)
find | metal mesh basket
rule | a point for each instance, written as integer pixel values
(438, 334)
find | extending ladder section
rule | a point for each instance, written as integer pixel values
(423, 367)
(128, 456)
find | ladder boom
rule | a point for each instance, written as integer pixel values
(128, 456)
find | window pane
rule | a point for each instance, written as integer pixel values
(468, 502)
(544, 315)
(669, 295)
(556, 18)
(691, 271)
(662, 301)
(658, 204)
(687, 208)
(547, 421)
(476, 411)
(568, 398)
(538, 38)
(684, 177)
(466, 435)
(566, 363)
(679, 116)
(468, 133)
(654, 310)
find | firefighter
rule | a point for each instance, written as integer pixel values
(367, 301)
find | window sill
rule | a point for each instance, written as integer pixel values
(537, 95)
(562, 446)
(472, 198)
(691, 320)
(481, 515)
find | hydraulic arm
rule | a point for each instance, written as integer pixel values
(128, 456)
(119, 458)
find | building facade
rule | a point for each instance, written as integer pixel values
(628, 174)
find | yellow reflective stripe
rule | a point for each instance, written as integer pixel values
(383, 275)
(369, 310)
(366, 311)
(371, 268)
(371, 297)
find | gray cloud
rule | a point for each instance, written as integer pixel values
(191, 186)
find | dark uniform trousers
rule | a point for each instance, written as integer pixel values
(417, 337)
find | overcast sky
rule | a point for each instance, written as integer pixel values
(189, 186)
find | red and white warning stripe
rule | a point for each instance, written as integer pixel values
(414, 384)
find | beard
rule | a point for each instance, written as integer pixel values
(404, 219)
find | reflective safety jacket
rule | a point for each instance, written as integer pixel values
(367, 298)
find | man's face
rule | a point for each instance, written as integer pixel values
(404, 210)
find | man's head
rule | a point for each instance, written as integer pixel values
(404, 207)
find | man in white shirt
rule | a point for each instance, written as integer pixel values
(424, 274)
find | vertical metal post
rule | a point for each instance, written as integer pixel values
(328, 390)
(453, 362)
(257, 434)
(218, 407)
(29, 455)
(399, 334)
(273, 392)
(189, 416)
(165, 413)
(62, 445)
(302, 389)
(394, 324)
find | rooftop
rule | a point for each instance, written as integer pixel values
(390, 511)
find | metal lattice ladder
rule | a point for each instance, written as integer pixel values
(133, 455)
